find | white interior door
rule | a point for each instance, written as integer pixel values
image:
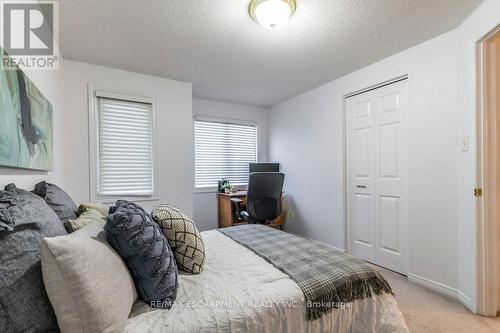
(377, 212)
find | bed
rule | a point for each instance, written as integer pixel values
(239, 291)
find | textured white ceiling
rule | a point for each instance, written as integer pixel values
(228, 57)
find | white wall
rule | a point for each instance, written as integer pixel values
(205, 203)
(68, 91)
(175, 143)
(306, 136)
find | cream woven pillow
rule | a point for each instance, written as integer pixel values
(183, 237)
(87, 282)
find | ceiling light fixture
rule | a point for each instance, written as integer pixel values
(272, 14)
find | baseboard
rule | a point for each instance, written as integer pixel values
(336, 248)
(312, 239)
(441, 289)
(465, 300)
(433, 285)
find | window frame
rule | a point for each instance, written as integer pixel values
(93, 95)
(217, 119)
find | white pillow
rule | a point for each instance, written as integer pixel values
(87, 282)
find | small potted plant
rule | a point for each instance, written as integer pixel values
(227, 187)
(220, 185)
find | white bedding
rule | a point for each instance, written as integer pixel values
(238, 291)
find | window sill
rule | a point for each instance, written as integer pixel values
(214, 190)
(112, 200)
(204, 190)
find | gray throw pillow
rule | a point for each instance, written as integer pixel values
(145, 250)
(24, 306)
(57, 199)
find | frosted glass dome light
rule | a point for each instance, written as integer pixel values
(272, 14)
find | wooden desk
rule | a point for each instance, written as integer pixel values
(227, 210)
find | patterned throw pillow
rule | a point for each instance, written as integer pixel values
(145, 251)
(183, 237)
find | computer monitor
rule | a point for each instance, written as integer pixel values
(264, 167)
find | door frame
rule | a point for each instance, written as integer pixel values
(347, 225)
(488, 141)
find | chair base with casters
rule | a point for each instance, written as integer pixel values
(243, 215)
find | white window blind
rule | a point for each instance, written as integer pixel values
(223, 150)
(125, 160)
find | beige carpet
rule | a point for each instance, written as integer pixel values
(426, 311)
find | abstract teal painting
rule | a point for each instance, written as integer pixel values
(26, 133)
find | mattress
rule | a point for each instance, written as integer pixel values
(238, 291)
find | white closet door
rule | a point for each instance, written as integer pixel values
(360, 153)
(377, 176)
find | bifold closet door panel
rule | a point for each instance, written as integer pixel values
(360, 153)
(390, 135)
(377, 176)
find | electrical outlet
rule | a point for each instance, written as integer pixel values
(290, 214)
(464, 144)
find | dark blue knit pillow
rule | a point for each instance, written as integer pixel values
(141, 244)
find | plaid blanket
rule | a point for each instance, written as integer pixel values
(328, 278)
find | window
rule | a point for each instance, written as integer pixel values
(123, 146)
(223, 149)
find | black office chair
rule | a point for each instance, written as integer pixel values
(263, 197)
